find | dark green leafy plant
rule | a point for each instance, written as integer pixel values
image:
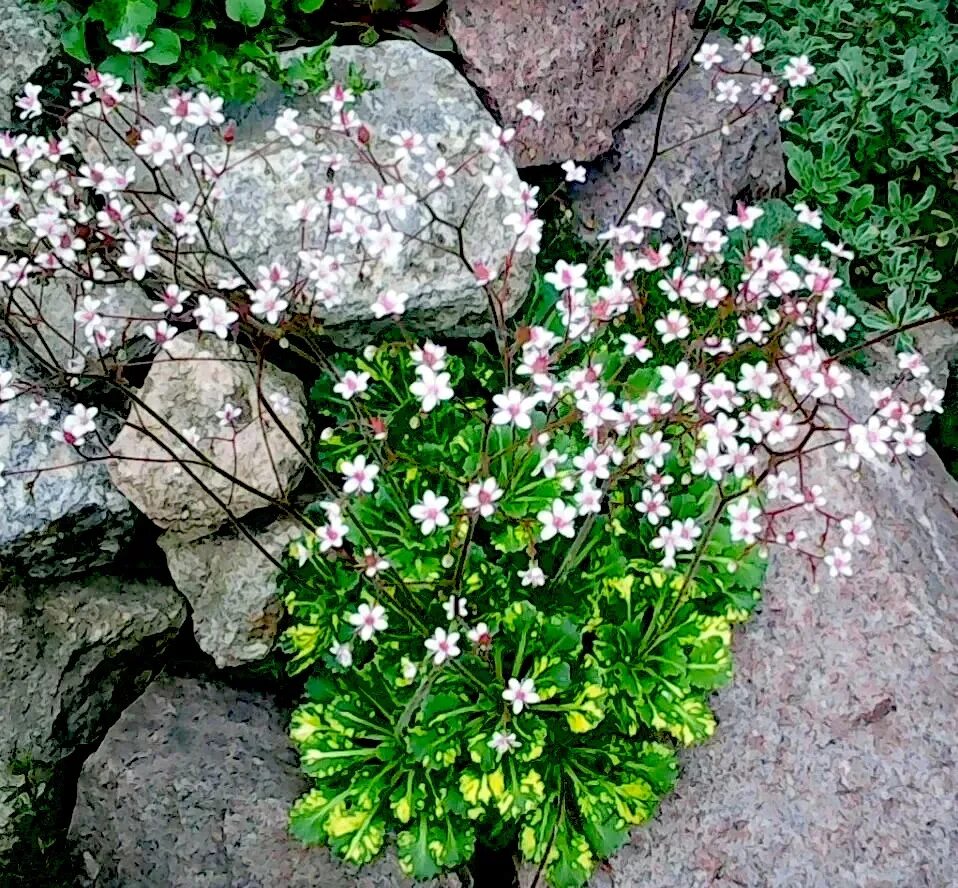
(873, 144)
(225, 46)
(620, 654)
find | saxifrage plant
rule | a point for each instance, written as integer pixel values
(517, 592)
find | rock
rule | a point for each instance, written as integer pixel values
(415, 90)
(28, 40)
(696, 160)
(62, 515)
(590, 65)
(192, 788)
(186, 386)
(71, 656)
(938, 344)
(232, 587)
(834, 762)
(44, 317)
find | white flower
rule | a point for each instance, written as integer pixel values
(229, 414)
(708, 56)
(374, 563)
(528, 108)
(389, 304)
(455, 606)
(369, 620)
(558, 519)
(520, 694)
(214, 315)
(132, 44)
(351, 384)
(533, 576)
(480, 636)
(757, 378)
(482, 497)
(798, 70)
(430, 512)
(431, 388)
(29, 103)
(839, 562)
(808, 216)
(635, 347)
(443, 646)
(513, 407)
(503, 742)
(76, 426)
(679, 381)
(343, 654)
(573, 172)
(856, 530)
(359, 475)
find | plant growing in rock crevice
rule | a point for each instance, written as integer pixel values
(518, 590)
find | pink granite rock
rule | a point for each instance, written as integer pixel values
(705, 151)
(590, 64)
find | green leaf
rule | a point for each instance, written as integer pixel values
(246, 12)
(310, 5)
(166, 47)
(136, 18)
(73, 40)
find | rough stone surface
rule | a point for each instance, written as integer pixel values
(192, 788)
(44, 317)
(70, 658)
(185, 387)
(834, 762)
(28, 40)
(231, 585)
(589, 64)
(62, 515)
(695, 159)
(415, 90)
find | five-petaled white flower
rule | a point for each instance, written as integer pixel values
(430, 512)
(513, 407)
(520, 694)
(360, 475)
(558, 519)
(443, 646)
(482, 497)
(369, 620)
(503, 742)
(351, 384)
(214, 315)
(133, 43)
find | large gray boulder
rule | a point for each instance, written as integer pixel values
(590, 65)
(60, 513)
(184, 470)
(834, 763)
(232, 585)
(705, 151)
(192, 789)
(413, 90)
(71, 656)
(28, 40)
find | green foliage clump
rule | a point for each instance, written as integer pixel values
(226, 46)
(621, 652)
(873, 143)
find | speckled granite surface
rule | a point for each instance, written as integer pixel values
(834, 763)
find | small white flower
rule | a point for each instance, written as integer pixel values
(482, 497)
(520, 694)
(430, 512)
(369, 620)
(359, 475)
(443, 646)
(133, 43)
(573, 172)
(503, 742)
(351, 384)
(343, 653)
(558, 519)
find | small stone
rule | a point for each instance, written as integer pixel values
(232, 587)
(186, 386)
